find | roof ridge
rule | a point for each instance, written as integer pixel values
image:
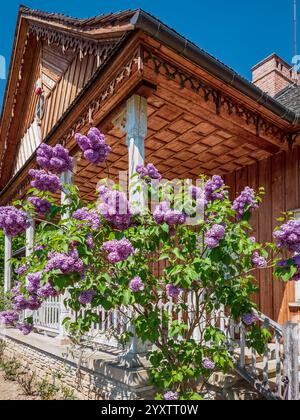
(74, 21)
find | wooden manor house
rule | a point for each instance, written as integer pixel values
(158, 98)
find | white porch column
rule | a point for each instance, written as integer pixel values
(7, 264)
(30, 238)
(62, 338)
(136, 131)
(297, 291)
(28, 250)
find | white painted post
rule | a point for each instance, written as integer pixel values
(136, 131)
(30, 238)
(7, 264)
(62, 338)
(291, 364)
(28, 251)
(297, 286)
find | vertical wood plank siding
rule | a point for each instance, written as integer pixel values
(28, 145)
(66, 89)
(280, 177)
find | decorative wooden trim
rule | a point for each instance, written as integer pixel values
(99, 48)
(131, 67)
(210, 93)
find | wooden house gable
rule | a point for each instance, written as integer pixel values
(58, 59)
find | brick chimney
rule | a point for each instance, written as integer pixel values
(273, 74)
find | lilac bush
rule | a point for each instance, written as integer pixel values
(106, 255)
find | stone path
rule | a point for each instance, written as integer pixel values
(11, 390)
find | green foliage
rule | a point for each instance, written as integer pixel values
(47, 390)
(183, 336)
(10, 369)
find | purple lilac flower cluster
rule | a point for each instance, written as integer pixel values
(47, 291)
(288, 236)
(196, 192)
(250, 319)
(21, 270)
(41, 206)
(54, 159)
(13, 221)
(149, 171)
(66, 263)
(33, 302)
(115, 208)
(118, 250)
(296, 262)
(214, 236)
(25, 328)
(214, 189)
(43, 181)
(258, 261)
(173, 291)
(91, 217)
(245, 201)
(86, 297)
(136, 284)
(164, 214)
(21, 303)
(90, 241)
(171, 396)
(9, 318)
(93, 145)
(33, 281)
(16, 289)
(208, 364)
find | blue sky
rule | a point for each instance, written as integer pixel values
(238, 32)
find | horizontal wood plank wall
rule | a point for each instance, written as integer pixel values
(63, 94)
(280, 177)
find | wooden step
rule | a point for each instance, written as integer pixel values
(259, 359)
(271, 367)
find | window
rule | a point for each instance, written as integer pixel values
(40, 107)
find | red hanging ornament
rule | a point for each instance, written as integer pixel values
(38, 91)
